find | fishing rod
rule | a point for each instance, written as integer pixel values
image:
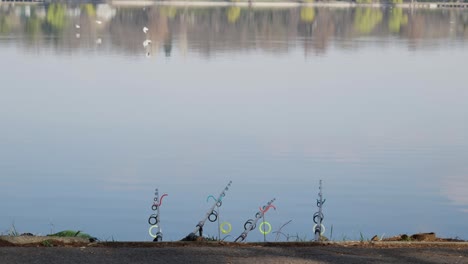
(319, 228)
(154, 220)
(251, 224)
(211, 215)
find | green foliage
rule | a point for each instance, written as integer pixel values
(88, 9)
(396, 20)
(406, 238)
(71, 233)
(33, 25)
(366, 19)
(168, 11)
(56, 17)
(233, 14)
(364, 1)
(47, 243)
(5, 27)
(307, 14)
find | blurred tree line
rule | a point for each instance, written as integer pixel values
(232, 27)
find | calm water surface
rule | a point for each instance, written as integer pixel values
(371, 101)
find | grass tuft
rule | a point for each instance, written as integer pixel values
(47, 243)
(72, 233)
(13, 231)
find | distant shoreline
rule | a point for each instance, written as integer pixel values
(284, 4)
(263, 4)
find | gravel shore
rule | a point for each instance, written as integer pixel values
(193, 252)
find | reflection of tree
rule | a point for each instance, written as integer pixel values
(233, 14)
(206, 30)
(396, 20)
(88, 10)
(4, 25)
(168, 47)
(365, 19)
(307, 14)
(33, 24)
(168, 11)
(322, 31)
(8, 19)
(56, 17)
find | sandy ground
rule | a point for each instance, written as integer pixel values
(193, 252)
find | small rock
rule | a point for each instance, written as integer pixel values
(424, 236)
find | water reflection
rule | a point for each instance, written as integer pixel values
(208, 30)
(397, 20)
(86, 138)
(366, 19)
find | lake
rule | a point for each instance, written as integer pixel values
(372, 101)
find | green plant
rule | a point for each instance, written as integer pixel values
(405, 238)
(12, 231)
(47, 243)
(72, 233)
(56, 17)
(210, 238)
(324, 238)
(361, 239)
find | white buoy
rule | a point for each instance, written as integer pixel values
(146, 43)
(99, 41)
(77, 35)
(145, 30)
(99, 22)
(77, 26)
